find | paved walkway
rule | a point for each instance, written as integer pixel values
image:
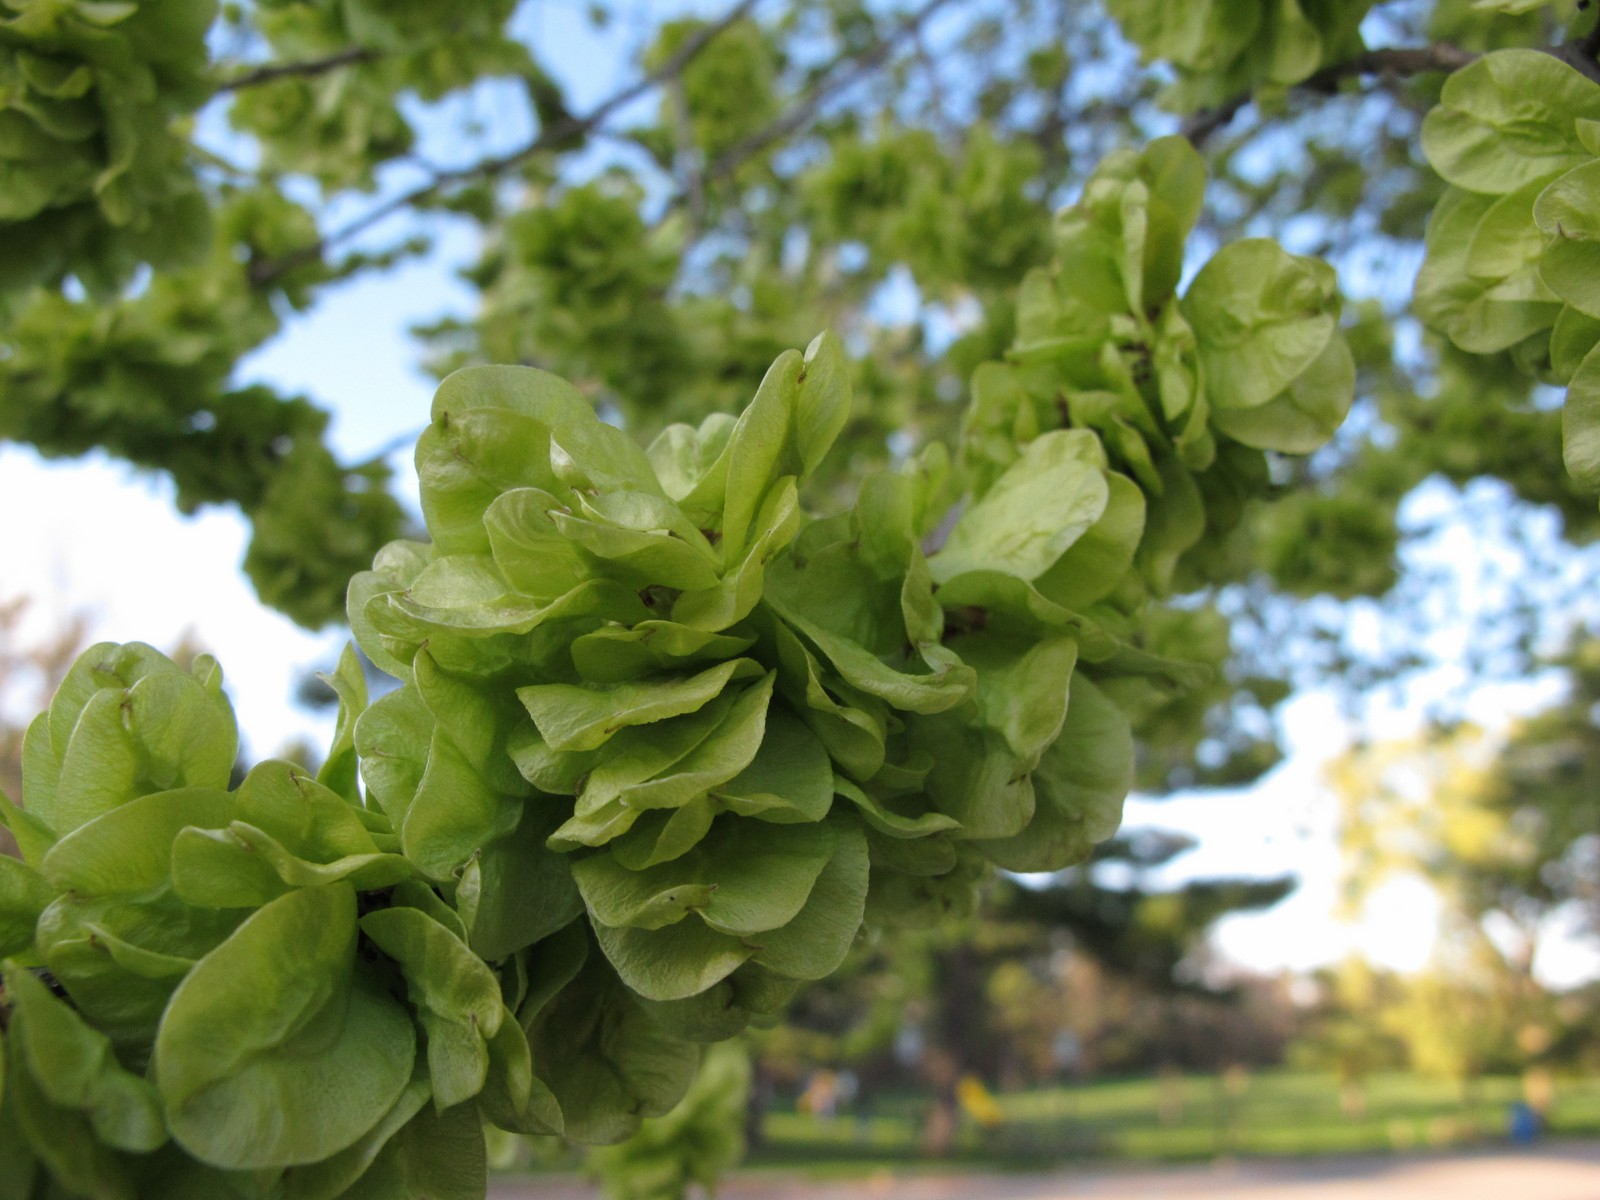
(1550, 1173)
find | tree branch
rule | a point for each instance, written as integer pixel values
(1583, 54)
(297, 70)
(936, 92)
(552, 136)
(859, 64)
(1396, 63)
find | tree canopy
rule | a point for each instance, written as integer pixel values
(720, 639)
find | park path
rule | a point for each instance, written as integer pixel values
(1562, 1172)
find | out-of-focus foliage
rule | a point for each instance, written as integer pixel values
(339, 126)
(1503, 830)
(1504, 827)
(147, 377)
(1224, 48)
(1056, 979)
(693, 1144)
(1346, 1031)
(97, 169)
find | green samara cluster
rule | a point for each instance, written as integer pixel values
(337, 126)
(1186, 392)
(696, 1143)
(1225, 49)
(739, 726)
(1513, 248)
(661, 745)
(230, 993)
(664, 743)
(96, 177)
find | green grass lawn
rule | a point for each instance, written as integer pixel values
(1185, 1118)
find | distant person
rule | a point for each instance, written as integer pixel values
(821, 1097)
(1524, 1125)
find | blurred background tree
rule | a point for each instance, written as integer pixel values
(1504, 829)
(1050, 981)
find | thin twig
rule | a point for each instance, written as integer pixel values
(298, 70)
(1395, 63)
(936, 92)
(551, 136)
(1199, 127)
(805, 110)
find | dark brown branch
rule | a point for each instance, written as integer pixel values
(1395, 63)
(1583, 54)
(844, 72)
(552, 136)
(297, 70)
